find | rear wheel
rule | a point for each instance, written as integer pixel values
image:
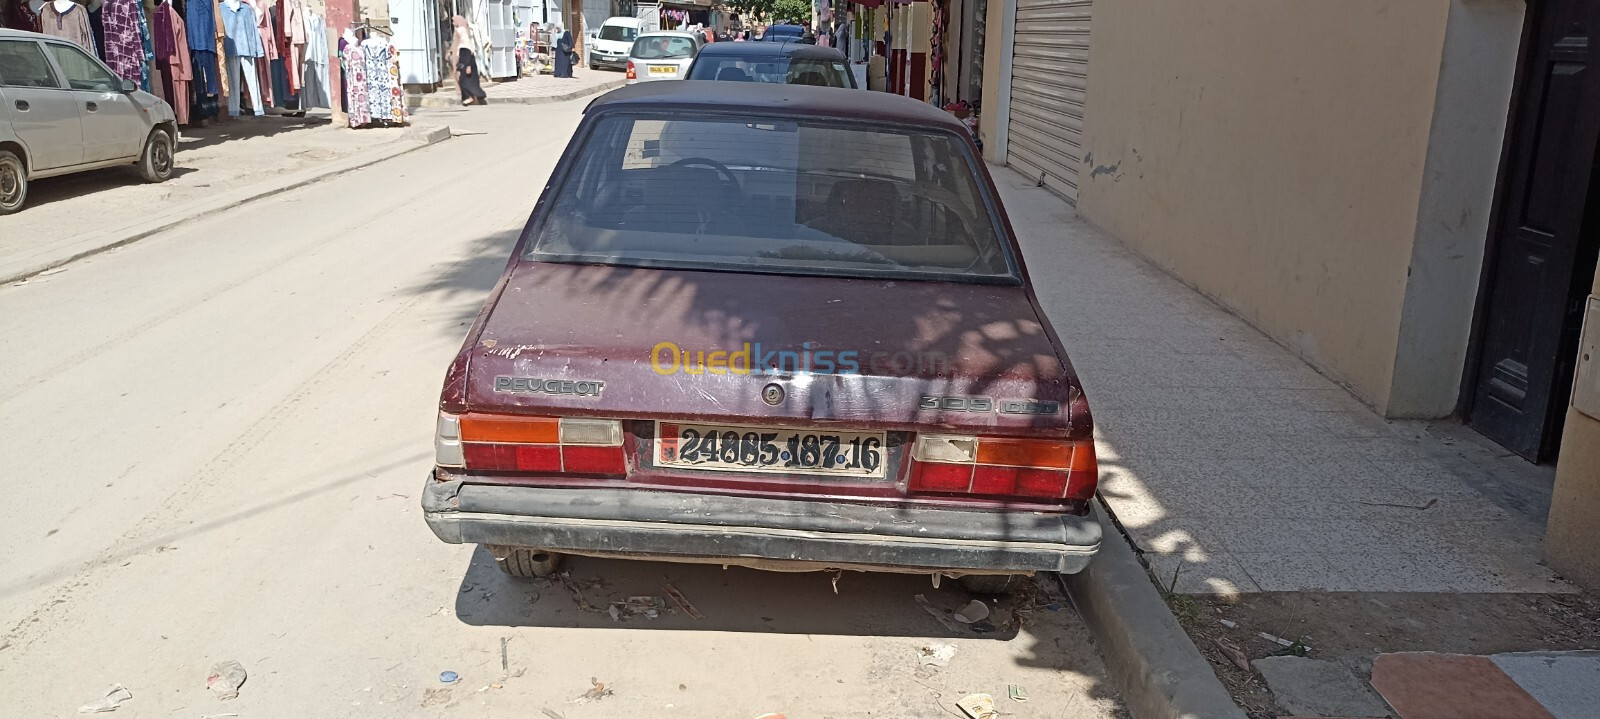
(13, 182)
(155, 165)
(988, 583)
(521, 562)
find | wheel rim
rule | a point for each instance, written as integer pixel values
(10, 184)
(161, 155)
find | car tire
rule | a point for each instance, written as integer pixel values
(13, 182)
(155, 163)
(526, 563)
(988, 583)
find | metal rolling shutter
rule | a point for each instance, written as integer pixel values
(1049, 72)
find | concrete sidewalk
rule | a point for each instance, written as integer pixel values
(1236, 468)
(1524, 685)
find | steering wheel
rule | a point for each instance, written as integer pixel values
(735, 190)
(721, 169)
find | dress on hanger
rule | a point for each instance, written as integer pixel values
(176, 70)
(124, 46)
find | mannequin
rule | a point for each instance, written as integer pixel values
(66, 20)
(243, 47)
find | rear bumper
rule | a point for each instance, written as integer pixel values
(694, 527)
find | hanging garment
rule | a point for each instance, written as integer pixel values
(222, 40)
(200, 25)
(355, 82)
(245, 67)
(71, 25)
(239, 24)
(269, 48)
(293, 38)
(314, 91)
(145, 46)
(376, 53)
(397, 98)
(176, 69)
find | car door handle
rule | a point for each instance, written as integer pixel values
(23, 105)
(91, 107)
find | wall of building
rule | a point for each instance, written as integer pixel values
(1272, 154)
(1573, 535)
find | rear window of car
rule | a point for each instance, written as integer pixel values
(774, 195)
(775, 69)
(618, 32)
(662, 47)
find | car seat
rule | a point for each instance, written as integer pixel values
(810, 77)
(734, 73)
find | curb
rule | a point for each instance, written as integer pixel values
(1154, 664)
(414, 138)
(438, 102)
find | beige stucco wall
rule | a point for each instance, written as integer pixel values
(1271, 154)
(1573, 534)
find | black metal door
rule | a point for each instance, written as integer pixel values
(1541, 251)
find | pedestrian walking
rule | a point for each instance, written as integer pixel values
(466, 65)
(564, 55)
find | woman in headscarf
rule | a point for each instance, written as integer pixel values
(466, 65)
(564, 54)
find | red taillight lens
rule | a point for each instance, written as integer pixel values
(593, 460)
(513, 457)
(993, 466)
(631, 74)
(512, 443)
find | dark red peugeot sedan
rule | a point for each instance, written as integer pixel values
(776, 326)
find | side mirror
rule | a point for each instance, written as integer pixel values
(129, 86)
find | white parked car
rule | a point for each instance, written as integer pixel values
(609, 45)
(664, 55)
(63, 111)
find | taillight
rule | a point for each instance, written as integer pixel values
(998, 466)
(631, 74)
(511, 443)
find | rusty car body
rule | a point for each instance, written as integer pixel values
(767, 325)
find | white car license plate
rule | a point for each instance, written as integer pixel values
(663, 70)
(731, 448)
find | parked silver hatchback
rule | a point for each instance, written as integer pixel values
(63, 111)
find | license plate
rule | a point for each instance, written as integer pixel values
(663, 69)
(728, 448)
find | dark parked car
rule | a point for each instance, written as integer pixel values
(787, 33)
(792, 63)
(767, 325)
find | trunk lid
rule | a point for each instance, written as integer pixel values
(631, 343)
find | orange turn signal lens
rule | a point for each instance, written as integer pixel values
(510, 428)
(1043, 454)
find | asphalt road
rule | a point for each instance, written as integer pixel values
(215, 439)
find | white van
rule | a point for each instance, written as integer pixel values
(611, 45)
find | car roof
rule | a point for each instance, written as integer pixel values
(787, 29)
(773, 49)
(7, 32)
(622, 20)
(776, 98)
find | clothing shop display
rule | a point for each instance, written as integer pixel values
(200, 27)
(385, 101)
(147, 46)
(269, 49)
(314, 75)
(67, 20)
(292, 42)
(172, 54)
(355, 83)
(243, 47)
(123, 44)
